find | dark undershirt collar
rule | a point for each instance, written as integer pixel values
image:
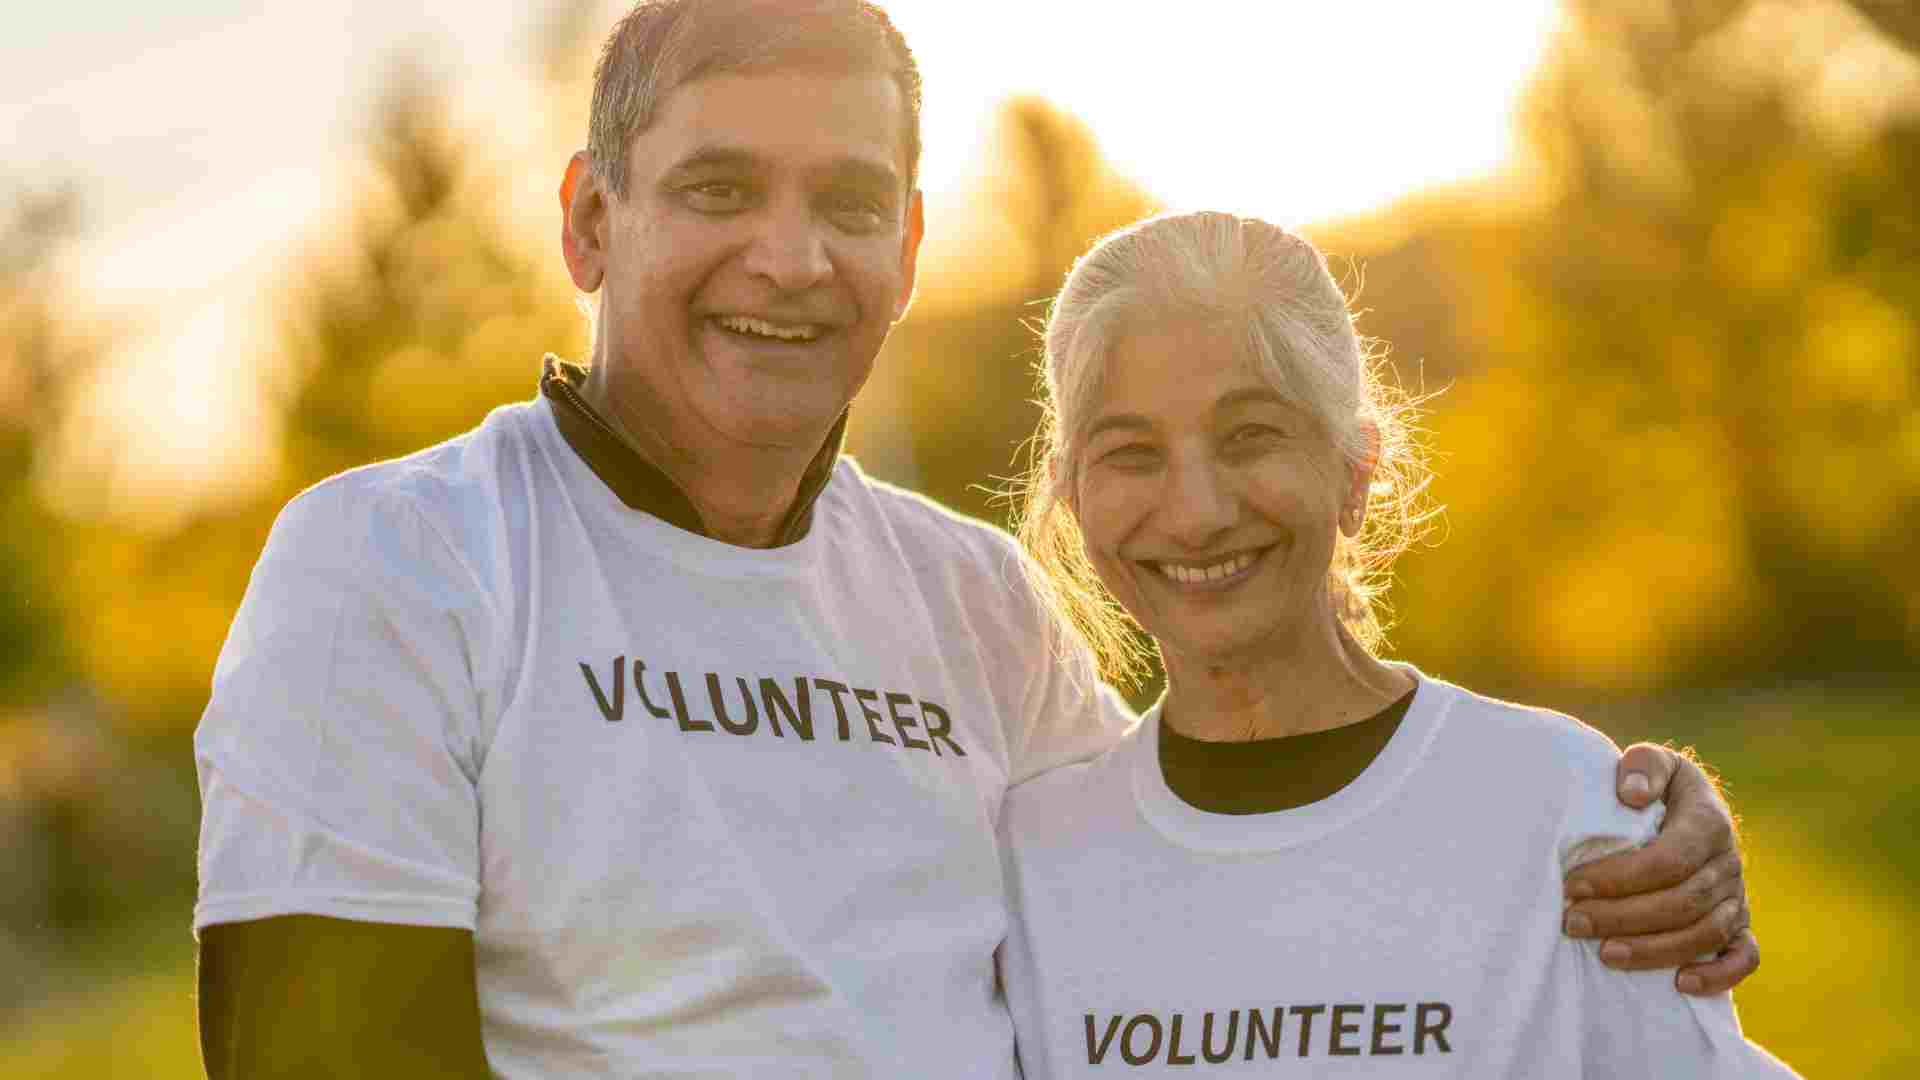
(1262, 776)
(644, 486)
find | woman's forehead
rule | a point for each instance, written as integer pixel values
(1183, 366)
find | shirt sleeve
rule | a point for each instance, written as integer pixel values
(1066, 713)
(1636, 1023)
(339, 753)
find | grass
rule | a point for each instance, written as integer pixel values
(1832, 834)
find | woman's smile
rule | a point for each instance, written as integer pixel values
(1210, 574)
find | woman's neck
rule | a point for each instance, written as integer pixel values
(1324, 682)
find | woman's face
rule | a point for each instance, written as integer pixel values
(1208, 504)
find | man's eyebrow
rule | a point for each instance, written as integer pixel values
(865, 173)
(717, 157)
(857, 170)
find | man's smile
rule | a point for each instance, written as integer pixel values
(757, 329)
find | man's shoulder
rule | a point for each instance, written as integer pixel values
(461, 479)
(932, 530)
(1071, 803)
(439, 511)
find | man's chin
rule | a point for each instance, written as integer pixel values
(780, 418)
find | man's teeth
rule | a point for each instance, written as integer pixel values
(1193, 574)
(742, 324)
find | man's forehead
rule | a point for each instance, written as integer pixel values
(818, 119)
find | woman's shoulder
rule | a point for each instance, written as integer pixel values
(1548, 759)
(1519, 730)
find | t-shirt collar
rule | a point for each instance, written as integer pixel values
(644, 486)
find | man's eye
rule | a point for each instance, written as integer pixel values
(857, 212)
(716, 196)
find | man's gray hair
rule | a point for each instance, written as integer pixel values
(663, 44)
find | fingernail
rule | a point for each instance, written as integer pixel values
(1614, 953)
(1689, 984)
(1636, 786)
(1579, 890)
(1578, 924)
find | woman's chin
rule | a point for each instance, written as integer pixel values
(1228, 645)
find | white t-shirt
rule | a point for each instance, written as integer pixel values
(707, 810)
(1406, 926)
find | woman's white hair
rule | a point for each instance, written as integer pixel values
(1271, 285)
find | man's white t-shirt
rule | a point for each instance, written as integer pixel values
(707, 810)
(1406, 926)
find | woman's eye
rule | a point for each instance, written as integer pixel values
(1254, 433)
(1130, 457)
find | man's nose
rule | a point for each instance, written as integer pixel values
(789, 248)
(1198, 504)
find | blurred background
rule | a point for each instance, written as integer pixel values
(1657, 262)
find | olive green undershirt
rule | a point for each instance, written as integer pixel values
(641, 484)
(1261, 776)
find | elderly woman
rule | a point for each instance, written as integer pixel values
(1297, 856)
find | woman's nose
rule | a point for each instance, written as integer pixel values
(1198, 504)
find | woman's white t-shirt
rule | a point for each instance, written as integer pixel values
(1406, 926)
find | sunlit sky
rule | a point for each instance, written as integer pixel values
(208, 134)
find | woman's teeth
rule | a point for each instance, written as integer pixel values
(742, 324)
(1191, 575)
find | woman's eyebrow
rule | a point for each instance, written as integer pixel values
(1251, 395)
(1117, 421)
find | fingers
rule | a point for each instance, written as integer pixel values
(1675, 855)
(1697, 827)
(1670, 950)
(1722, 973)
(1694, 795)
(1643, 773)
(1681, 907)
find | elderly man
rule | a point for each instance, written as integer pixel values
(636, 732)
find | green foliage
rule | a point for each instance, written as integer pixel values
(41, 359)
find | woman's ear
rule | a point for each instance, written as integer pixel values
(1353, 507)
(1060, 483)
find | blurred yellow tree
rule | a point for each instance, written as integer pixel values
(958, 376)
(1684, 439)
(420, 314)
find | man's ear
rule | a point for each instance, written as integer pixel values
(1353, 509)
(583, 223)
(916, 227)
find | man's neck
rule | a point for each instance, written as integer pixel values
(742, 493)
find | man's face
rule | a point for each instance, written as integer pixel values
(765, 246)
